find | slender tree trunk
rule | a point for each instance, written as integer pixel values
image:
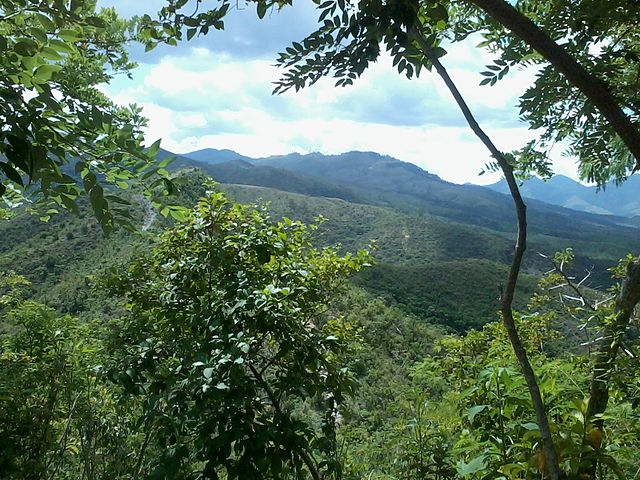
(551, 457)
(592, 87)
(626, 302)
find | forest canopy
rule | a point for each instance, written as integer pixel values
(230, 346)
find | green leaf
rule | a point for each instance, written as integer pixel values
(50, 54)
(154, 148)
(261, 8)
(60, 46)
(96, 22)
(11, 173)
(46, 22)
(70, 36)
(474, 466)
(530, 426)
(167, 161)
(117, 199)
(26, 47)
(475, 410)
(44, 72)
(439, 52)
(179, 213)
(39, 34)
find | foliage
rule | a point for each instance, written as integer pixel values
(460, 412)
(227, 340)
(62, 137)
(600, 40)
(58, 418)
(603, 39)
(502, 440)
(437, 292)
(464, 409)
(62, 256)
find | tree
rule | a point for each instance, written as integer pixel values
(585, 92)
(60, 136)
(59, 418)
(607, 322)
(601, 128)
(231, 348)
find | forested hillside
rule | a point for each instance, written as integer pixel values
(60, 256)
(214, 316)
(418, 289)
(410, 397)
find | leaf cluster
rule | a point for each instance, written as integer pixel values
(228, 337)
(62, 137)
(603, 38)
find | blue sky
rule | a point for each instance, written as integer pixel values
(215, 91)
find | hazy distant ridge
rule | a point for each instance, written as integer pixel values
(373, 178)
(623, 200)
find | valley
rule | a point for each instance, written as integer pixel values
(439, 260)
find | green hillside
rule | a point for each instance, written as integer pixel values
(424, 263)
(367, 177)
(433, 279)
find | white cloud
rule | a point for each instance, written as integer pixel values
(197, 98)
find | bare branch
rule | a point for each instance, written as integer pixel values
(576, 288)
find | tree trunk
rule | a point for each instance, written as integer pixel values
(592, 87)
(605, 356)
(551, 457)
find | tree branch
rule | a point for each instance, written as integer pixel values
(592, 87)
(569, 283)
(551, 458)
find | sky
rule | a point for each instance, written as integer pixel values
(215, 92)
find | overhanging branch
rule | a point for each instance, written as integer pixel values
(551, 458)
(592, 87)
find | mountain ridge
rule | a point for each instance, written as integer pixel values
(368, 177)
(560, 190)
(619, 200)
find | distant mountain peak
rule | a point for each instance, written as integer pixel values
(561, 190)
(213, 155)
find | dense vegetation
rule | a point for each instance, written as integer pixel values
(423, 263)
(221, 341)
(425, 403)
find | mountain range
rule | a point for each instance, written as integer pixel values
(374, 179)
(442, 248)
(367, 177)
(622, 200)
(372, 170)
